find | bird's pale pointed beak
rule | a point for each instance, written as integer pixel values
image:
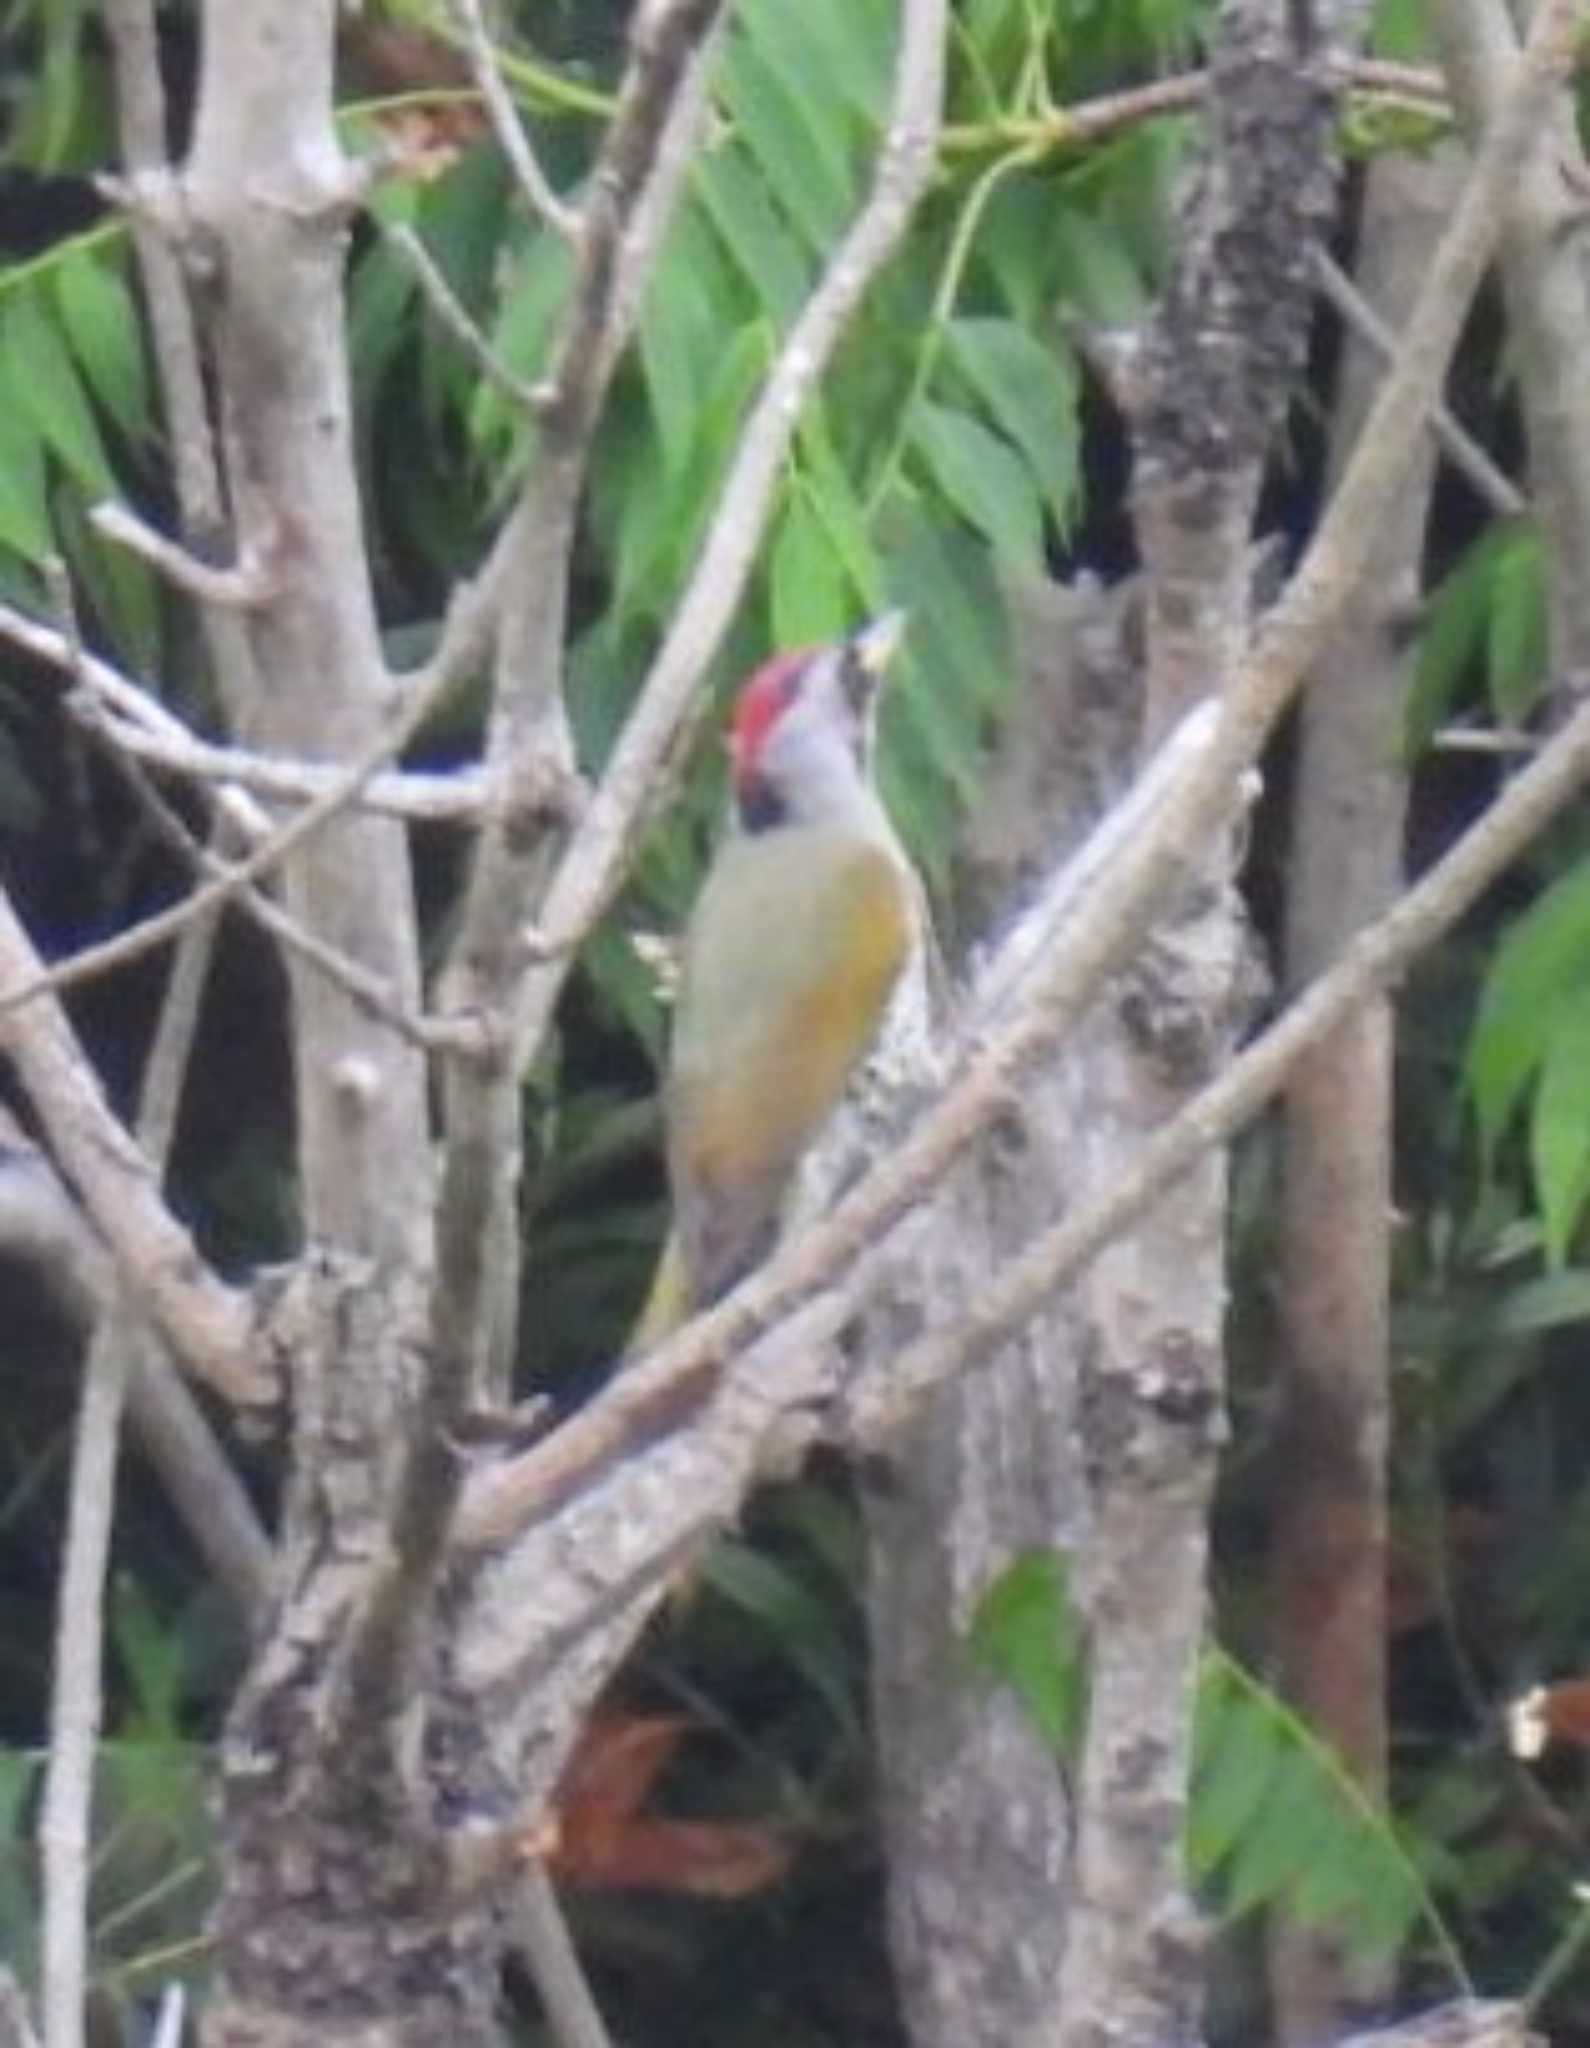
(877, 643)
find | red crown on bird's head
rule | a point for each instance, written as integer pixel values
(761, 704)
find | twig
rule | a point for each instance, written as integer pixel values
(444, 304)
(1478, 739)
(456, 797)
(142, 725)
(1094, 120)
(1107, 925)
(240, 588)
(342, 790)
(141, 117)
(542, 1934)
(168, 2021)
(156, 229)
(1498, 491)
(564, 220)
(76, 1702)
(208, 1326)
(356, 981)
(42, 1225)
(116, 690)
(636, 178)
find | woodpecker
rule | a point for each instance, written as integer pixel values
(807, 916)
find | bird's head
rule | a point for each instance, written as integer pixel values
(801, 740)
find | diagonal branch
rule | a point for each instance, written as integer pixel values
(530, 756)
(1371, 961)
(505, 122)
(206, 1325)
(75, 1703)
(343, 789)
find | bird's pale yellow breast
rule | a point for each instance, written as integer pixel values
(781, 994)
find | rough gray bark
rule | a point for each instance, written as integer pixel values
(1215, 372)
(1328, 1561)
(1119, 1389)
(976, 1813)
(326, 1915)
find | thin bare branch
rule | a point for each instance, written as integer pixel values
(240, 588)
(157, 232)
(631, 192)
(76, 1698)
(141, 725)
(543, 1938)
(1498, 491)
(455, 798)
(1087, 122)
(445, 304)
(45, 1228)
(342, 791)
(509, 130)
(141, 116)
(207, 1326)
(367, 989)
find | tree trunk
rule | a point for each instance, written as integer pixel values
(1328, 1560)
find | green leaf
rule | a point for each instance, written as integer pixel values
(844, 517)
(983, 479)
(1026, 1633)
(1551, 1301)
(792, 150)
(802, 1625)
(663, 516)
(40, 378)
(1516, 640)
(1559, 1135)
(751, 231)
(680, 331)
(1488, 615)
(1543, 959)
(1032, 394)
(809, 599)
(106, 335)
(629, 985)
(381, 292)
(824, 55)
(24, 502)
(1097, 276)
(1294, 1826)
(55, 107)
(121, 587)
(1235, 1760)
(1016, 244)
(152, 1656)
(522, 332)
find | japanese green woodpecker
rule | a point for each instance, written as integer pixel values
(806, 918)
